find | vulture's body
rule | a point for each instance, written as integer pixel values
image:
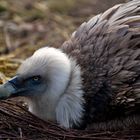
(94, 78)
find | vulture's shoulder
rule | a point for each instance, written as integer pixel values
(111, 41)
(118, 22)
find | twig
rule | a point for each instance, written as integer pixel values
(7, 39)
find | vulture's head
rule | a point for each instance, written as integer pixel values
(51, 85)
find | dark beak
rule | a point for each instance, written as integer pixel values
(10, 89)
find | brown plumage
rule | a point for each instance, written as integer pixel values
(108, 50)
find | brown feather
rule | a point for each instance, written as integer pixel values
(107, 48)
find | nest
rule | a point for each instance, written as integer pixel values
(17, 123)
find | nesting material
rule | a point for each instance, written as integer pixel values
(17, 123)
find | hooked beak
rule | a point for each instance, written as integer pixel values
(11, 88)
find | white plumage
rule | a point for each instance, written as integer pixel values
(62, 99)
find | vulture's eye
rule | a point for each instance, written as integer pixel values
(32, 81)
(36, 78)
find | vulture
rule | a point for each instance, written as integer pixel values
(92, 81)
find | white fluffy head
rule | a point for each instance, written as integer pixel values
(61, 100)
(51, 64)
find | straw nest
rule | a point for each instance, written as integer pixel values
(17, 123)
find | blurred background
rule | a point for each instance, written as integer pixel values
(26, 25)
